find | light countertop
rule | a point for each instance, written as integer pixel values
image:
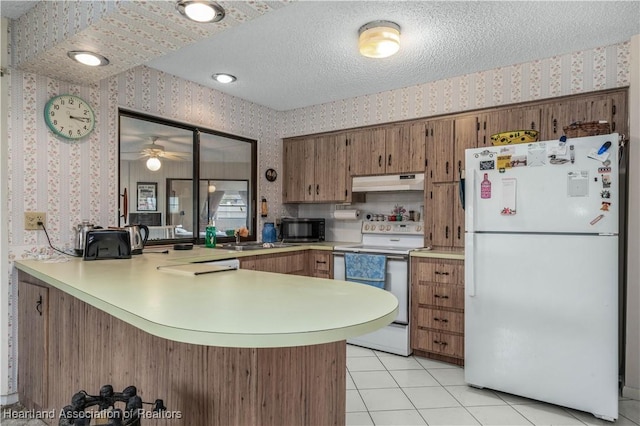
(239, 308)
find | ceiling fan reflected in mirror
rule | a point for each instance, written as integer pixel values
(153, 152)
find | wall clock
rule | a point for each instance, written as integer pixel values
(69, 116)
(271, 175)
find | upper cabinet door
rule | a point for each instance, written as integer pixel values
(466, 136)
(367, 152)
(440, 150)
(330, 169)
(291, 179)
(417, 147)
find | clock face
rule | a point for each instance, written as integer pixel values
(69, 116)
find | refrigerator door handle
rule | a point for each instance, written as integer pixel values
(469, 265)
(470, 198)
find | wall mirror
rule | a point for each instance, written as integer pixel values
(175, 178)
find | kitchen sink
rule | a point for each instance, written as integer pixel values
(254, 246)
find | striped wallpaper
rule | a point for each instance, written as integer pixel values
(72, 181)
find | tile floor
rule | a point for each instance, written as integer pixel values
(385, 389)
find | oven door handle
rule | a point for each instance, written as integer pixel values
(390, 257)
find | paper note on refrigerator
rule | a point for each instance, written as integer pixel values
(508, 197)
(578, 184)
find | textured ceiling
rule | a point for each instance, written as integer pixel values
(288, 55)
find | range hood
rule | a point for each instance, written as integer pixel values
(407, 182)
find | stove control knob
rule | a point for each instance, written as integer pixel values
(418, 228)
(373, 227)
(366, 227)
(388, 227)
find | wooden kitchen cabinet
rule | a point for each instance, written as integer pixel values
(437, 308)
(315, 170)
(611, 107)
(405, 146)
(444, 216)
(397, 148)
(320, 264)
(440, 149)
(367, 152)
(504, 120)
(294, 263)
(33, 312)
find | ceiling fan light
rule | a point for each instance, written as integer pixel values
(379, 39)
(203, 11)
(154, 164)
(88, 58)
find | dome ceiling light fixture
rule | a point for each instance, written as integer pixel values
(224, 78)
(86, 57)
(379, 39)
(154, 164)
(203, 11)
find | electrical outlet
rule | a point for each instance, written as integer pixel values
(31, 220)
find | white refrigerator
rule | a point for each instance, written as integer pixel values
(541, 271)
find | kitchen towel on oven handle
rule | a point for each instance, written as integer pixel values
(370, 269)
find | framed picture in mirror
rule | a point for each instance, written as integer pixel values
(147, 196)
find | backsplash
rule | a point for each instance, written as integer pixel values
(375, 203)
(76, 180)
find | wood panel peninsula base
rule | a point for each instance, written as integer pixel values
(73, 346)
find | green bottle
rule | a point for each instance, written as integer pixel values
(210, 234)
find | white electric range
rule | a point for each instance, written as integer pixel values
(395, 240)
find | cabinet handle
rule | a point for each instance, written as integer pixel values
(459, 167)
(441, 320)
(441, 273)
(459, 232)
(613, 127)
(318, 189)
(321, 261)
(437, 296)
(446, 232)
(446, 167)
(533, 125)
(437, 342)
(379, 160)
(309, 189)
(555, 125)
(39, 305)
(389, 160)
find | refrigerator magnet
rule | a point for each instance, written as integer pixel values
(605, 206)
(606, 181)
(596, 219)
(536, 155)
(605, 194)
(578, 184)
(504, 162)
(487, 165)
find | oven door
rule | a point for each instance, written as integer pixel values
(397, 280)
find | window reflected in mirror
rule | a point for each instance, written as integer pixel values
(157, 174)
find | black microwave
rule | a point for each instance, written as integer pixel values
(301, 229)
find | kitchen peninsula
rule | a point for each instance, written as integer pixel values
(233, 347)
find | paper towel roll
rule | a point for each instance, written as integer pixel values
(346, 214)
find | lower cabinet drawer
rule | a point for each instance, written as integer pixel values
(441, 343)
(445, 296)
(441, 320)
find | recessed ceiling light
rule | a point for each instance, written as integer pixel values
(224, 78)
(201, 10)
(88, 58)
(379, 39)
